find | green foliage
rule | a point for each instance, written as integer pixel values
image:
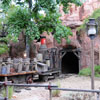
(97, 71)
(11, 37)
(47, 5)
(52, 23)
(33, 23)
(56, 93)
(3, 48)
(5, 4)
(20, 19)
(62, 32)
(4, 39)
(10, 92)
(1, 24)
(96, 15)
(87, 71)
(66, 4)
(3, 44)
(32, 31)
(49, 22)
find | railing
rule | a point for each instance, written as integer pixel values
(77, 90)
(48, 87)
(6, 84)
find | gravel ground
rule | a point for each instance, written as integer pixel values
(69, 81)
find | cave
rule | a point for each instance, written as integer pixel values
(70, 62)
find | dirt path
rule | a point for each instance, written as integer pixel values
(76, 82)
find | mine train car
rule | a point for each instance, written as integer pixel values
(44, 66)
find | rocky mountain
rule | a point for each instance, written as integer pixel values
(74, 19)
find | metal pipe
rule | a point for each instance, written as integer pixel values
(2, 83)
(31, 85)
(76, 90)
(8, 83)
(1, 98)
(79, 90)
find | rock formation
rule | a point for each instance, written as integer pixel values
(74, 19)
(80, 40)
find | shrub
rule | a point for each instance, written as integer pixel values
(97, 71)
(87, 71)
(3, 48)
(10, 92)
(56, 93)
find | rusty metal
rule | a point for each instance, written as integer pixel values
(16, 74)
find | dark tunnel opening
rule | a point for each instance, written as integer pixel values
(70, 63)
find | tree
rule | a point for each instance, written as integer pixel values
(26, 16)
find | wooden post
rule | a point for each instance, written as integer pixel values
(92, 64)
(50, 91)
(6, 88)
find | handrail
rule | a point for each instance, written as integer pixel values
(76, 90)
(48, 87)
(8, 83)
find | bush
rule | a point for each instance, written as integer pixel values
(10, 92)
(87, 71)
(56, 93)
(3, 48)
(97, 71)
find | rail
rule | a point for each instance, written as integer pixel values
(78, 90)
(48, 87)
(8, 83)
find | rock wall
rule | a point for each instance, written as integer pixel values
(74, 19)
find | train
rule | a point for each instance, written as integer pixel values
(44, 66)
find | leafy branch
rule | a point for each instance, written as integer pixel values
(33, 22)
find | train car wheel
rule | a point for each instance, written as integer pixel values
(29, 79)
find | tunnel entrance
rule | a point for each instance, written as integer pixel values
(70, 62)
